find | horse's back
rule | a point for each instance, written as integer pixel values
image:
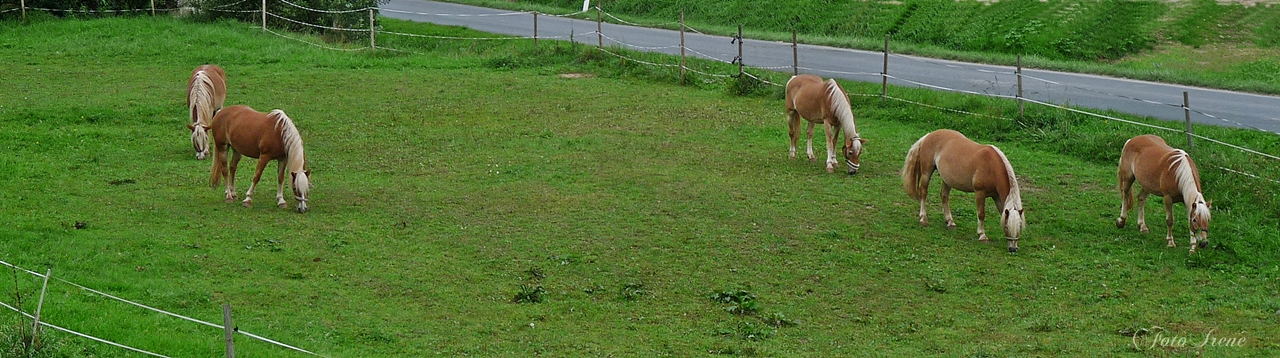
(217, 77)
(248, 131)
(962, 163)
(1152, 161)
(806, 94)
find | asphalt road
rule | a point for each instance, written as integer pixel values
(1152, 99)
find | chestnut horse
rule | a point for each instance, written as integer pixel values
(823, 102)
(265, 136)
(969, 167)
(1164, 171)
(206, 91)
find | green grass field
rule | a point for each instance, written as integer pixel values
(451, 182)
(1207, 43)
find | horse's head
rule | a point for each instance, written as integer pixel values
(1013, 221)
(200, 140)
(853, 153)
(1198, 216)
(301, 185)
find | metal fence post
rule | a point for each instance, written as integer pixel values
(264, 15)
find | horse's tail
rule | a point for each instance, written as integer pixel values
(215, 172)
(911, 171)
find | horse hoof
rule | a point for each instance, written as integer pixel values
(984, 239)
(1193, 249)
(231, 200)
(1144, 230)
(1013, 250)
(1120, 223)
(831, 170)
(1171, 244)
(248, 204)
(281, 205)
(924, 223)
(951, 226)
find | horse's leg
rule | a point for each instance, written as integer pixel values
(832, 134)
(1168, 221)
(982, 214)
(809, 141)
(925, 175)
(793, 130)
(1142, 211)
(280, 183)
(946, 206)
(262, 164)
(231, 175)
(1126, 195)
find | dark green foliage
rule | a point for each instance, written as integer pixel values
(529, 294)
(739, 302)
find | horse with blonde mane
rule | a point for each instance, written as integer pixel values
(265, 136)
(823, 102)
(206, 91)
(1164, 171)
(970, 167)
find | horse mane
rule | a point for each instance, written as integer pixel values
(292, 142)
(840, 105)
(200, 99)
(1181, 167)
(1014, 199)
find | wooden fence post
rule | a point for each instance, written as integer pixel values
(24, 9)
(228, 332)
(372, 34)
(884, 75)
(264, 15)
(535, 29)
(153, 8)
(1186, 110)
(795, 55)
(1020, 113)
(682, 70)
(35, 333)
(599, 35)
(739, 50)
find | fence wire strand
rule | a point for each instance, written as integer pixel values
(316, 44)
(326, 11)
(317, 26)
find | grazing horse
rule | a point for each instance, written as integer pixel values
(265, 136)
(1164, 171)
(206, 91)
(823, 102)
(969, 167)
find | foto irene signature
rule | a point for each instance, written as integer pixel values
(1162, 338)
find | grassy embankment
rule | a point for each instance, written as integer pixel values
(1201, 42)
(447, 181)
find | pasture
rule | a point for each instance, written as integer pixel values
(450, 183)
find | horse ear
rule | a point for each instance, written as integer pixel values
(1020, 211)
(864, 141)
(207, 127)
(1209, 203)
(191, 127)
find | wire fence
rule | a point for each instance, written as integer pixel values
(136, 304)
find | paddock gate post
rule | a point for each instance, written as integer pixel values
(1020, 86)
(35, 333)
(884, 74)
(682, 71)
(372, 33)
(227, 331)
(1186, 110)
(739, 50)
(535, 29)
(795, 55)
(599, 35)
(264, 15)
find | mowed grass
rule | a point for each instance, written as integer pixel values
(443, 185)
